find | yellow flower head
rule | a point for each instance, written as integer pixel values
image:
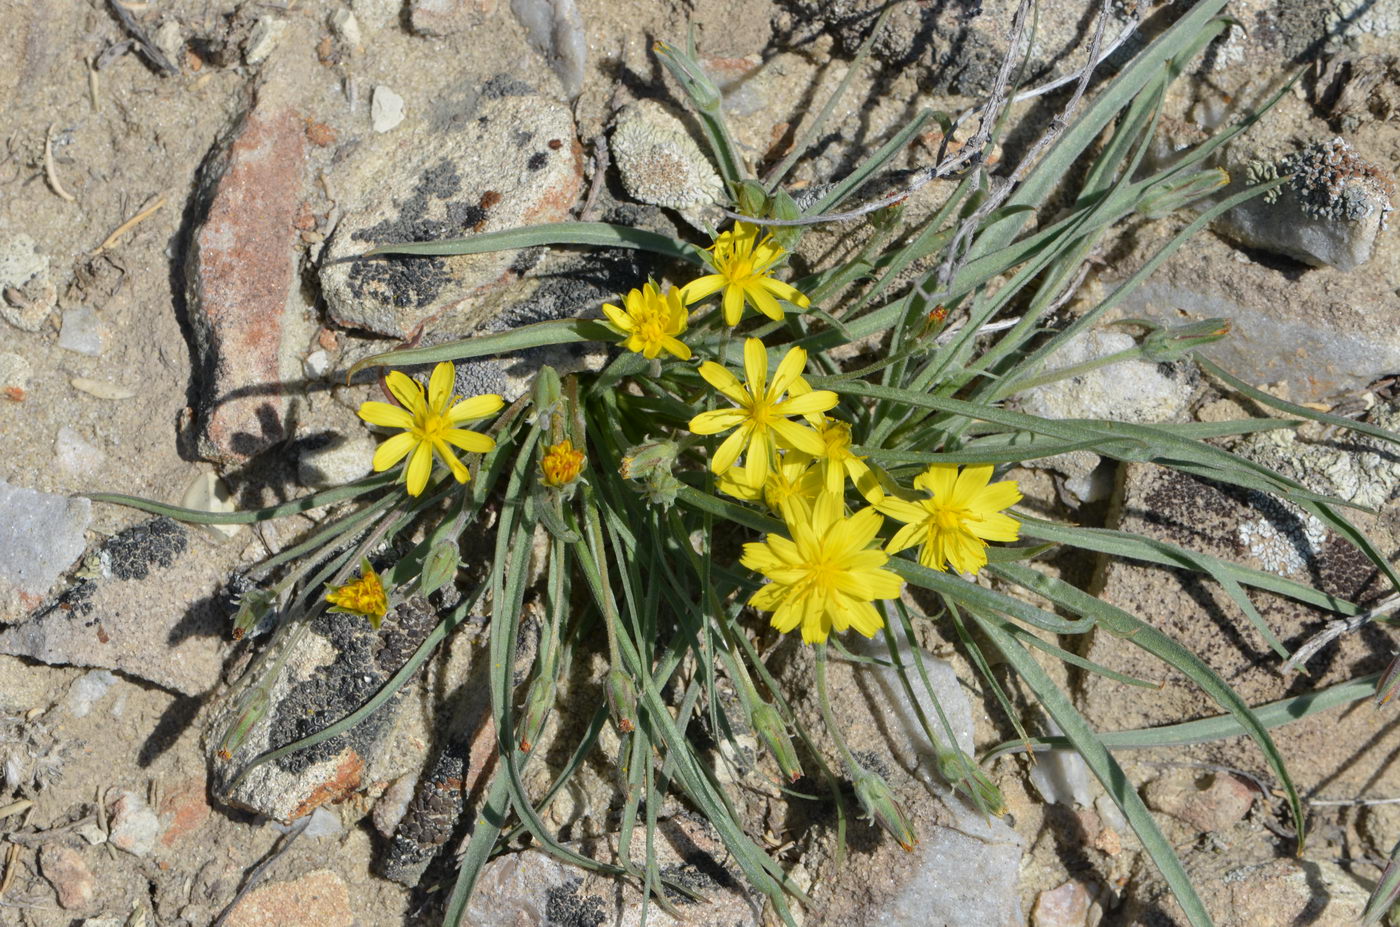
(429, 426)
(760, 422)
(650, 321)
(838, 462)
(826, 576)
(363, 596)
(561, 463)
(743, 265)
(790, 490)
(962, 513)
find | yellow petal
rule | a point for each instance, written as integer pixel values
(728, 451)
(459, 470)
(755, 365)
(733, 305)
(475, 407)
(996, 527)
(788, 292)
(789, 369)
(938, 480)
(798, 437)
(473, 442)
(406, 391)
(712, 423)
(700, 287)
(420, 466)
(721, 379)
(763, 301)
(676, 347)
(817, 400)
(393, 450)
(385, 415)
(619, 318)
(440, 386)
(996, 497)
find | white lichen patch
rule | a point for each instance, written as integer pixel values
(659, 162)
(1283, 545)
(1332, 182)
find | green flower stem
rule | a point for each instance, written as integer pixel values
(819, 651)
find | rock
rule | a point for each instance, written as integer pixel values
(207, 492)
(41, 534)
(27, 295)
(148, 607)
(68, 873)
(376, 14)
(134, 826)
(964, 869)
(555, 29)
(390, 808)
(1328, 214)
(1061, 776)
(385, 109)
(171, 42)
(535, 888)
(183, 810)
(659, 162)
(14, 377)
(1212, 802)
(87, 689)
(340, 663)
(75, 455)
(335, 461)
(267, 32)
(1130, 391)
(510, 162)
(82, 333)
(318, 899)
(346, 27)
(1064, 906)
(1272, 893)
(1229, 523)
(242, 268)
(449, 17)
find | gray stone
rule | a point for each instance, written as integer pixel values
(555, 29)
(147, 606)
(346, 27)
(385, 109)
(534, 887)
(1130, 391)
(510, 162)
(134, 826)
(26, 293)
(41, 534)
(1329, 213)
(82, 332)
(267, 32)
(336, 460)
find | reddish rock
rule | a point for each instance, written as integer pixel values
(1211, 803)
(341, 785)
(1064, 906)
(241, 271)
(183, 810)
(69, 874)
(317, 899)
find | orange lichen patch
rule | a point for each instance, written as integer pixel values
(186, 808)
(341, 785)
(14, 393)
(320, 134)
(327, 339)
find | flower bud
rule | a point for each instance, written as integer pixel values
(692, 78)
(622, 699)
(959, 771)
(252, 706)
(877, 799)
(538, 702)
(769, 726)
(252, 606)
(439, 567)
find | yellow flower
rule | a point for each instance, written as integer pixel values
(962, 513)
(762, 414)
(826, 576)
(429, 427)
(743, 265)
(651, 321)
(363, 596)
(838, 462)
(793, 482)
(561, 463)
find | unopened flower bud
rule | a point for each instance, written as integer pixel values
(538, 702)
(252, 706)
(959, 771)
(877, 799)
(252, 606)
(770, 728)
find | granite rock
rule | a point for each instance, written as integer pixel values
(511, 161)
(41, 535)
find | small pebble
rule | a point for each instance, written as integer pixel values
(347, 27)
(207, 493)
(82, 333)
(267, 32)
(385, 108)
(86, 690)
(316, 364)
(14, 375)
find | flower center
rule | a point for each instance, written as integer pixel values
(431, 427)
(739, 269)
(950, 519)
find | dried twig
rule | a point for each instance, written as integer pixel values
(148, 49)
(600, 170)
(146, 212)
(51, 172)
(1336, 628)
